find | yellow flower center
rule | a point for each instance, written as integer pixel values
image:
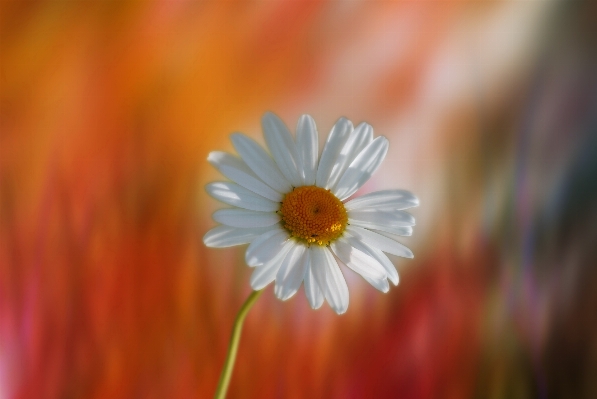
(314, 215)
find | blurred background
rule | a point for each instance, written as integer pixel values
(109, 109)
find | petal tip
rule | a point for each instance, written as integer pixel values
(236, 136)
(210, 156)
(207, 240)
(394, 279)
(305, 117)
(269, 116)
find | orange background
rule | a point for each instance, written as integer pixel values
(109, 109)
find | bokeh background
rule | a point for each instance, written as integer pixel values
(109, 109)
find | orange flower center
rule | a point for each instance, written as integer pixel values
(314, 215)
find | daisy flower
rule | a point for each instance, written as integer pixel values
(295, 211)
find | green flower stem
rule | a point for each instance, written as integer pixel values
(233, 347)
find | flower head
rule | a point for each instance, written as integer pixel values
(293, 209)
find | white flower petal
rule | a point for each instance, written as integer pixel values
(290, 275)
(380, 242)
(283, 148)
(338, 136)
(367, 132)
(233, 194)
(243, 218)
(361, 169)
(265, 274)
(262, 249)
(357, 141)
(377, 255)
(397, 230)
(357, 260)
(329, 278)
(396, 233)
(226, 236)
(307, 143)
(312, 290)
(392, 199)
(260, 162)
(380, 284)
(382, 218)
(236, 170)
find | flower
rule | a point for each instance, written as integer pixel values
(294, 210)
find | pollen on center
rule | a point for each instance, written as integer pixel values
(314, 215)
